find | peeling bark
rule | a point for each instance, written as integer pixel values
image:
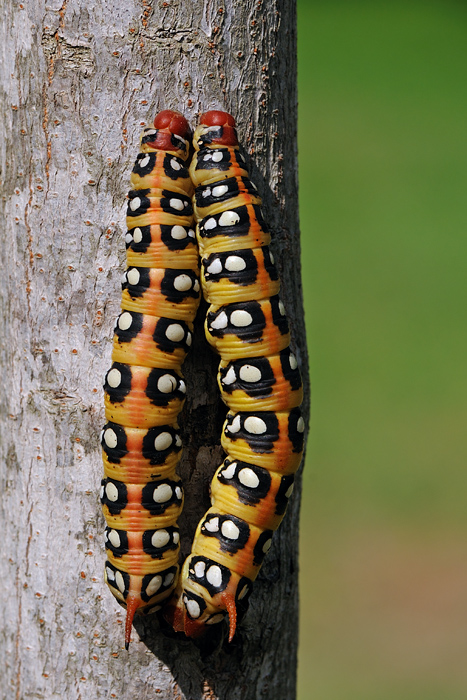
(77, 82)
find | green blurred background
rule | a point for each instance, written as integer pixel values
(383, 182)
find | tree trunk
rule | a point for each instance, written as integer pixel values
(78, 82)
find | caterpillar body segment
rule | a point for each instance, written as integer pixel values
(232, 229)
(258, 378)
(141, 494)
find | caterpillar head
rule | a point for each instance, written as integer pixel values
(216, 128)
(170, 133)
(172, 121)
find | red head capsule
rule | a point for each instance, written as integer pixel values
(215, 117)
(172, 133)
(226, 124)
(173, 121)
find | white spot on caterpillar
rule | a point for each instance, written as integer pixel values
(219, 190)
(209, 224)
(199, 569)
(124, 321)
(230, 530)
(206, 192)
(293, 361)
(215, 619)
(166, 384)
(215, 267)
(229, 471)
(182, 386)
(144, 161)
(243, 593)
(119, 581)
(289, 491)
(271, 258)
(110, 438)
(128, 238)
(248, 478)
(154, 609)
(168, 579)
(178, 232)
(281, 309)
(160, 539)
(175, 164)
(135, 203)
(193, 608)
(191, 233)
(189, 339)
(207, 157)
(217, 156)
(175, 332)
(110, 573)
(240, 318)
(178, 441)
(255, 425)
(114, 538)
(221, 321)
(154, 585)
(177, 204)
(212, 525)
(163, 441)
(133, 276)
(178, 492)
(114, 378)
(250, 373)
(235, 425)
(176, 537)
(229, 218)
(162, 493)
(300, 425)
(235, 263)
(196, 286)
(183, 283)
(214, 576)
(137, 235)
(230, 377)
(267, 546)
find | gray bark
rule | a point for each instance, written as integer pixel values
(77, 82)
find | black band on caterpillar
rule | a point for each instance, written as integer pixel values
(258, 378)
(144, 389)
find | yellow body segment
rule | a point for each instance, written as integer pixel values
(150, 246)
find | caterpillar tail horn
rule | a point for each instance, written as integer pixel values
(229, 602)
(131, 607)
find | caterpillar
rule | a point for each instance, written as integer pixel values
(258, 378)
(141, 494)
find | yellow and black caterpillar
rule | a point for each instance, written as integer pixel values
(258, 378)
(141, 494)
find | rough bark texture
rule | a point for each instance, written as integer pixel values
(77, 83)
